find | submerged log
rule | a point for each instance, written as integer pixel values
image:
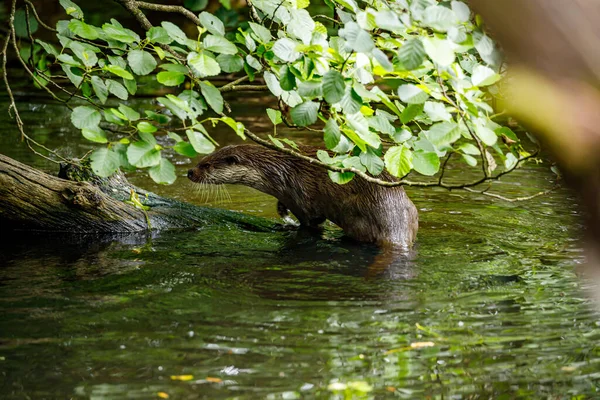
(79, 202)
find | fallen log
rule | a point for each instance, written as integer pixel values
(79, 202)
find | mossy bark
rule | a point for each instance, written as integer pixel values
(31, 200)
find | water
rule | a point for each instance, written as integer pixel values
(490, 306)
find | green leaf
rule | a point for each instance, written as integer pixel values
(94, 134)
(175, 32)
(287, 79)
(440, 51)
(310, 89)
(20, 24)
(237, 127)
(230, 63)
(439, 18)
(486, 135)
(351, 102)
(100, 88)
(412, 54)
(436, 111)
(510, 161)
(331, 134)
(410, 112)
(484, 76)
(381, 124)
(461, 10)
(388, 20)
(426, 162)
(87, 56)
(71, 8)
(212, 24)
(158, 34)
(120, 34)
(213, 97)
(163, 173)
(117, 89)
(286, 49)
(360, 126)
(334, 87)
(170, 78)
(173, 107)
(411, 94)
(357, 38)
(305, 114)
(146, 127)
(75, 79)
(119, 71)
(185, 149)
(219, 44)
(472, 161)
(398, 160)
(143, 154)
(340, 178)
(104, 162)
(443, 134)
(85, 117)
(203, 64)
(372, 162)
(354, 162)
(160, 118)
(141, 62)
(254, 63)
(195, 5)
(48, 48)
(262, 33)
(200, 143)
(274, 116)
(506, 131)
(129, 113)
(301, 25)
(83, 30)
(468, 148)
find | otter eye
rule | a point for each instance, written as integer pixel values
(231, 160)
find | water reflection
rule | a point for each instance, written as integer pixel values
(488, 305)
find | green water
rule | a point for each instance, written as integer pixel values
(490, 301)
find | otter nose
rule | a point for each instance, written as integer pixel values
(190, 174)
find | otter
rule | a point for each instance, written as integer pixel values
(367, 212)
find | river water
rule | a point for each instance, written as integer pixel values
(489, 306)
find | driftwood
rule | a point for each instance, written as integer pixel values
(31, 200)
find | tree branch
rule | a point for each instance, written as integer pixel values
(170, 9)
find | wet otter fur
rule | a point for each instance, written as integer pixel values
(365, 211)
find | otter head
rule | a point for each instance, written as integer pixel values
(228, 165)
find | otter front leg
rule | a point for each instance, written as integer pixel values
(283, 212)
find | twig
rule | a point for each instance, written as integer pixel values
(225, 88)
(171, 9)
(514, 199)
(243, 88)
(253, 12)
(13, 104)
(37, 17)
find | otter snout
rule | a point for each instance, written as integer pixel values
(193, 175)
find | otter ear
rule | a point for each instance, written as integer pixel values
(231, 160)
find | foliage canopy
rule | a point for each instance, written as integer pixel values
(400, 85)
